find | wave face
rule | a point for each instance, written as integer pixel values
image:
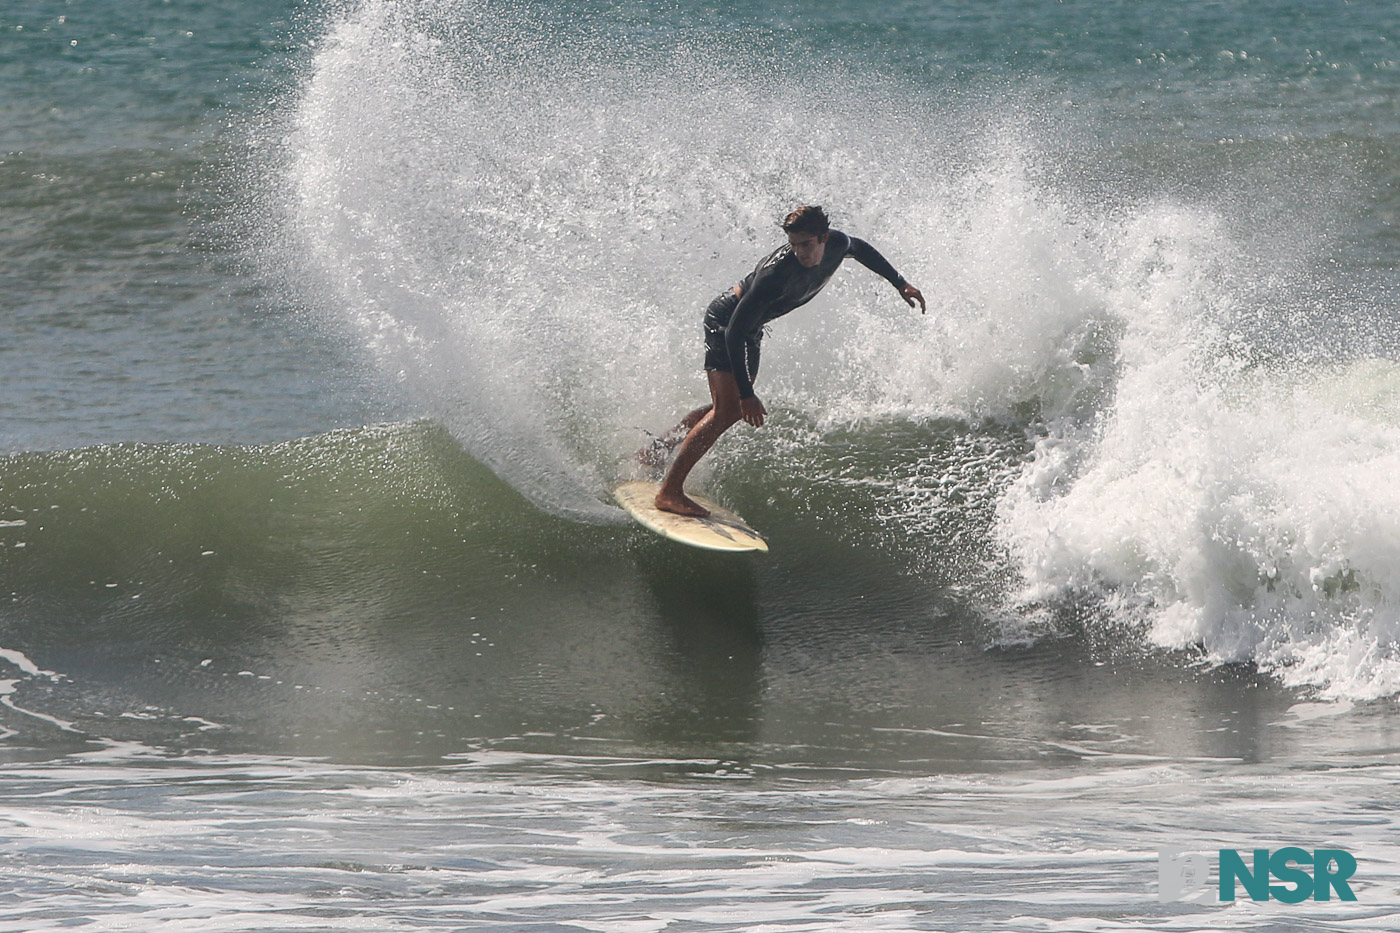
(522, 217)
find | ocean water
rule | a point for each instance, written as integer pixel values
(328, 327)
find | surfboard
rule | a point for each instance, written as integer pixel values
(723, 530)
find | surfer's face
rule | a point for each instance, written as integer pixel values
(808, 247)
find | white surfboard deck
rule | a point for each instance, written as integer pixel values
(723, 530)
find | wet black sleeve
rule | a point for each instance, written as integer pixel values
(868, 256)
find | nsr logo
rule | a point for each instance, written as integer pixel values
(1183, 875)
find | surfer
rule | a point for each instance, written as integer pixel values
(786, 279)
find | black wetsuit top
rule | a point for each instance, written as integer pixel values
(780, 284)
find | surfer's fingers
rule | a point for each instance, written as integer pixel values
(910, 294)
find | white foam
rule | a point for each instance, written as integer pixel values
(165, 845)
(8, 689)
(19, 660)
(1249, 510)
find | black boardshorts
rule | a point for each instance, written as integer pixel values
(717, 317)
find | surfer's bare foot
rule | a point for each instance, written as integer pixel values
(681, 505)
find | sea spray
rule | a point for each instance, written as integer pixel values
(527, 242)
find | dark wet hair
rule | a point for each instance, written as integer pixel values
(809, 218)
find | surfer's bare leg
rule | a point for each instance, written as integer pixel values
(655, 453)
(677, 434)
(713, 422)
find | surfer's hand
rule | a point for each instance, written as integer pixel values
(752, 411)
(910, 294)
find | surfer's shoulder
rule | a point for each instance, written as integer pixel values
(770, 263)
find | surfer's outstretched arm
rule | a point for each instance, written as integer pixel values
(868, 256)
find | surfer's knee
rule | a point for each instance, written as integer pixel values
(726, 416)
(724, 392)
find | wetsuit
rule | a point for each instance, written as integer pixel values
(734, 321)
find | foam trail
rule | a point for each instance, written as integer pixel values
(9, 687)
(19, 660)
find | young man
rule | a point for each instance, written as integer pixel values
(788, 278)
